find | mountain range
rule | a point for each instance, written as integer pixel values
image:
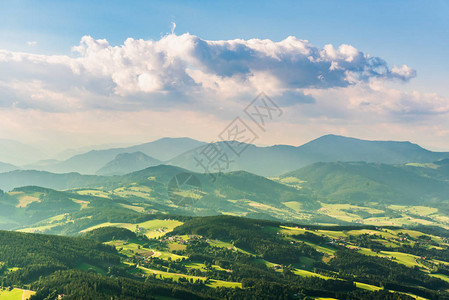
(279, 159)
(268, 161)
(93, 161)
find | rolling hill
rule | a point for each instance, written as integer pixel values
(362, 182)
(151, 190)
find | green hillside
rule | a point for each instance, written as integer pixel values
(233, 258)
(323, 193)
(361, 182)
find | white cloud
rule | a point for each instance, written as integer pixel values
(187, 68)
(179, 83)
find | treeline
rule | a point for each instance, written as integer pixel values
(88, 286)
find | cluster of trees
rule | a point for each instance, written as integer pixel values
(84, 285)
(39, 255)
(106, 234)
(383, 272)
(253, 235)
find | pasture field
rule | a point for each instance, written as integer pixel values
(47, 224)
(25, 200)
(290, 181)
(94, 192)
(165, 255)
(38, 229)
(152, 229)
(164, 274)
(416, 210)
(133, 207)
(408, 260)
(295, 205)
(176, 246)
(131, 248)
(304, 273)
(367, 287)
(220, 283)
(16, 294)
(88, 267)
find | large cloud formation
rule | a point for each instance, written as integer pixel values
(182, 69)
(142, 90)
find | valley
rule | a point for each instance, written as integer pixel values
(328, 230)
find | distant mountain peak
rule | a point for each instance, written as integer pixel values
(125, 163)
(137, 155)
(350, 141)
(5, 167)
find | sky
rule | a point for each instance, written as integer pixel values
(80, 73)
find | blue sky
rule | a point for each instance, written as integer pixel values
(411, 33)
(402, 32)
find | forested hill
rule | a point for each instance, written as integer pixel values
(55, 265)
(227, 257)
(38, 255)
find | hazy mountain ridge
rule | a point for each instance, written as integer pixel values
(125, 163)
(5, 167)
(20, 178)
(92, 161)
(266, 161)
(278, 159)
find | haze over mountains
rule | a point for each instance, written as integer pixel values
(265, 161)
(91, 162)
(278, 159)
(4, 167)
(331, 180)
(17, 153)
(128, 162)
